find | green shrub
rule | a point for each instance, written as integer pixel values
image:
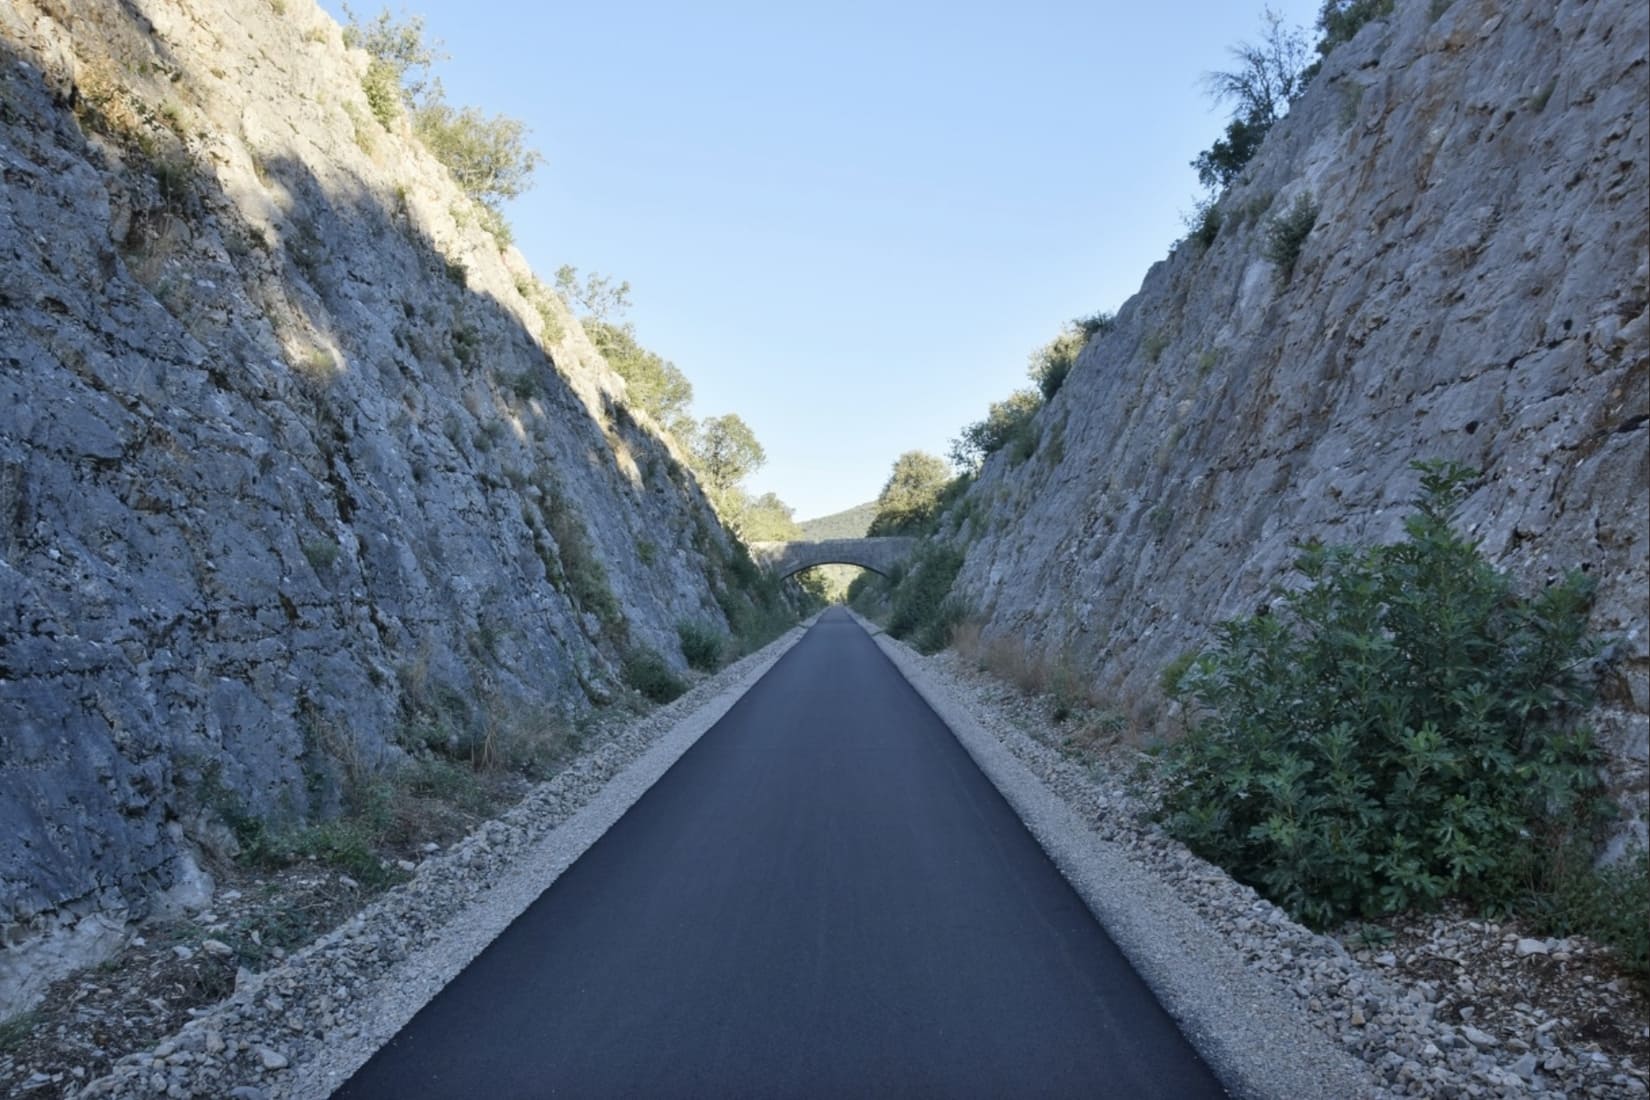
(1204, 224)
(1538, 102)
(1339, 20)
(1266, 78)
(756, 614)
(581, 570)
(1053, 361)
(526, 385)
(647, 672)
(910, 497)
(382, 86)
(1007, 421)
(1173, 675)
(1096, 324)
(701, 645)
(446, 781)
(15, 1029)
(497, 226)
(1221, 163)
(1286, 235)
(935, 633)
(321, 552)
(1395, 733)
(867, 593)
(921, 611)
(346, 844)
(1609, 904)
(487, 157)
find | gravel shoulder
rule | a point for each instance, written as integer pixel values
(1255, 1039)
(299, 1029)
(1449, 1007)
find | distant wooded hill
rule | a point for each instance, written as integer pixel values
(851, 524)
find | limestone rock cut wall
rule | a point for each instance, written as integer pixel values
(1474, 289)
(285, 440)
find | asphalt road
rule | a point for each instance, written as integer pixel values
(823, 897)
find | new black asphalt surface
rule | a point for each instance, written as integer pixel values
(823, 897)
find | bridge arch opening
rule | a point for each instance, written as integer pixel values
(831, 581)
(843, 564)
(879, 555)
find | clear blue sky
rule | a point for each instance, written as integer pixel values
(850, 223)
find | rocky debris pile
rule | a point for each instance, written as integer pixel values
(1451, 1007)
(87, 1020)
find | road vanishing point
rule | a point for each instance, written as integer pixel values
(824, 897)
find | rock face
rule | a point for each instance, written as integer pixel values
(288, 445)
(1474, 289)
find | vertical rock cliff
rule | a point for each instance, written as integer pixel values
(288, 443)
(1473, 288)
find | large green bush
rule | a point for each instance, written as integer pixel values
(702, 644)
(1400, 730)
(647, 672)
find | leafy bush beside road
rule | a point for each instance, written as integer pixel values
(1400, 730)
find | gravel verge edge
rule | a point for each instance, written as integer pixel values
(1251, 1035)
(301, 1029)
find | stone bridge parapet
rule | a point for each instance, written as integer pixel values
(879, 555)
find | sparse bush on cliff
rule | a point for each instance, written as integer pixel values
(1339, 20)
(1007, 421)
(1400, 730)
(401, 59)
(1009, 424)
(488, 157)
(1286, 235)
(383, 92)
(1203, 226)
(573, 565)
(1268, 75)
(1053, 361)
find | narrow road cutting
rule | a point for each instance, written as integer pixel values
(823, 897)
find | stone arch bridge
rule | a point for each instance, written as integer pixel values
(879, 555)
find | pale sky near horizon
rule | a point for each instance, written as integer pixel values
(850, 224)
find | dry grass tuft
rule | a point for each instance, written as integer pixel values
(1089, 723)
